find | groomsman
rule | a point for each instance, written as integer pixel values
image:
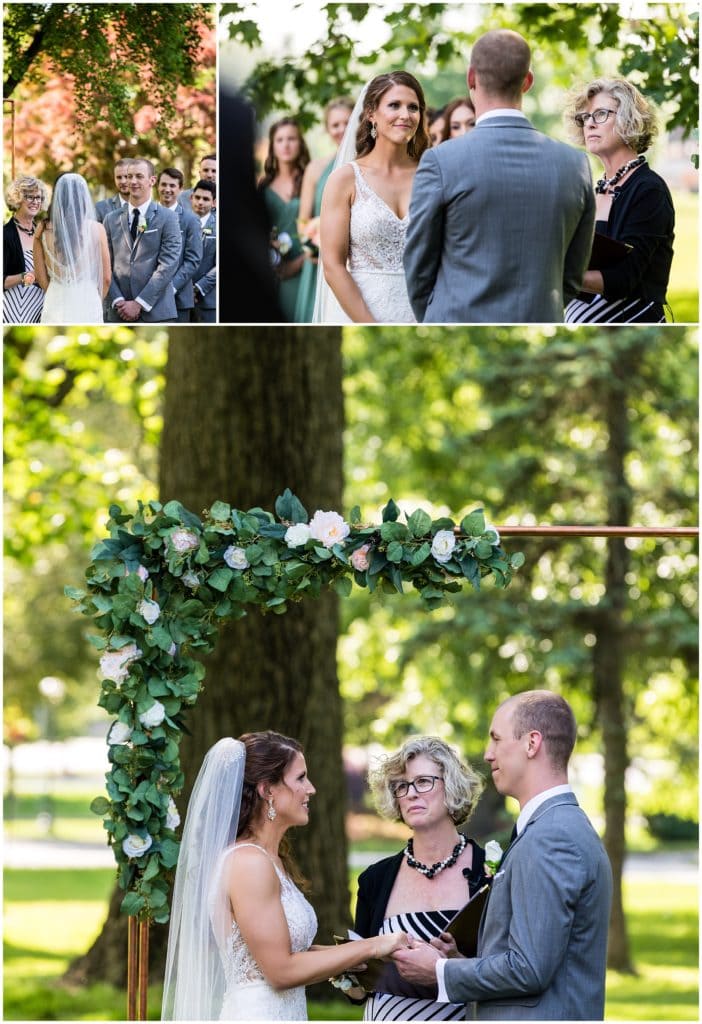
(501, 220)
(208, 172)
(105, 206)
(542, 941)
(145, 245)
(169, 187)
(205, 279)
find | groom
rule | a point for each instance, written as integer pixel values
(501, 219)
(542, 944)
(145, 248)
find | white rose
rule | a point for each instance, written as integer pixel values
(191, 579)
(172, 816)
(328, 528)
(493, 851)
(119, 733)
(114, 665)
(154, 716)
(136, 846)
(149, 610)
(443, 544)
(142, 572)
(183, 540)
(173, 650)
(236, 558)
(489, 528)
(297, 535)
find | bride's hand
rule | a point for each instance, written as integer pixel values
(387, 944)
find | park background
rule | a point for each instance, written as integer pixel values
(294, 56)
(538, 425)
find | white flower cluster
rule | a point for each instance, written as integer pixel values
(183, 541)
(236, 558)
(328, 528)
(119, 733)
(154, 716)
(149, 610)
(114, 665)
(172, 816)
(136, 846)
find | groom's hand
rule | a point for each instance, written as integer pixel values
(129, 310)
(418, 963)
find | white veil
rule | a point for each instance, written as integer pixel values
(326, 309)
(200, 919)
(72, 248)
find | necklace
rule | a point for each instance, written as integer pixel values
(430, 872)
(605, 185)
(27, 231)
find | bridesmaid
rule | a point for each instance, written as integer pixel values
(459, 118)
(22, 297)
(336, 117)
(282, 179)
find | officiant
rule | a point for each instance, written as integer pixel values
(617, 124)
(426, 785)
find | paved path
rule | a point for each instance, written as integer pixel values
(669, 867)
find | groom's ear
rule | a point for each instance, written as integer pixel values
(528, 81)
(470, 78)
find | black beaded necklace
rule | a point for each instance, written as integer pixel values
(606, 185)
(430, 872)
(27, 231)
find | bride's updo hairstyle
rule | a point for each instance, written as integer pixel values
(374, 93)
(270, 166)
(268, 756)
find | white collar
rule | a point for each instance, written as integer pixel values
(204, 219)
(502, 112)
(142, 209)
(531, 805)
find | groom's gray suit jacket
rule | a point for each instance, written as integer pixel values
(500, 226)
(542, 944)
(145, 268)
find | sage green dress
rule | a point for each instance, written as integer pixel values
(283, 217)
(308, 277)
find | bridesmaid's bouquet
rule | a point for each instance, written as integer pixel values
(309, 236)
(281, 244)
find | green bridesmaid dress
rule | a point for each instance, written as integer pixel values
(308, 278)
(283, 216)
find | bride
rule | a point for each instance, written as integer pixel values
(240, 940)
(71, 256)
(365, 206)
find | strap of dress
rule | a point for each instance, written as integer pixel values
(240, 846)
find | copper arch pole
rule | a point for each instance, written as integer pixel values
(598, 531)
(132, 958)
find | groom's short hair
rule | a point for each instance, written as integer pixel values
(552, 716)
(501, 60)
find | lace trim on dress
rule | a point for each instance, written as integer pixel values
(377, 235)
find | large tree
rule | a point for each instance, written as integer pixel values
(247, 413)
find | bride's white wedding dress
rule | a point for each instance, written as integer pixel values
(72, 296)
(376, 245)
(248, 996)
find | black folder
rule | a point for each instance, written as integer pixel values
(464, 926)
(607, 252)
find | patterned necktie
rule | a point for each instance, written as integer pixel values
(135, 223)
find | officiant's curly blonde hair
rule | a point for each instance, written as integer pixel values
(635, 121)
(462, 785)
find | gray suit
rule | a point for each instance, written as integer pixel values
(500, 227)
(105, 206)
(145, 268)
(190, 258)
(205, 279)
(542, 944)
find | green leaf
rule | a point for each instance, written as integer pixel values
(220, 578)
(394, 552)
(394, 531)
(324, 554)
(517, 559)
(74, 593)
(473, 525)
(100, 805)
(221, 511)
(132, 904)
(483, 549)
(419, 523)
(343, 586)
(391, 512)
(168, 854)
(421, 554)
(355, 515)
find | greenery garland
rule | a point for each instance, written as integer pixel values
(157, 591)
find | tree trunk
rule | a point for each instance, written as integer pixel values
(248, 412)
(608, 659)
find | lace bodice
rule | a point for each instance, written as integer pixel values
(377, 235)
(240, 967)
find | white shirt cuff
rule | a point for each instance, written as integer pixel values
(440, 967)
(144, 305)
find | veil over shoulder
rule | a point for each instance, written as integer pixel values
(195, 980)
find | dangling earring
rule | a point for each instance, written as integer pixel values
(373, 131)
(272, 813)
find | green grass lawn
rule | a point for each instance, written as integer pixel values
(683, 289)
(52, 916)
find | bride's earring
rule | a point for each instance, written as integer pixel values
(373, 131)
(272, 813)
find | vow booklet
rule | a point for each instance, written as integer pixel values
(464, 926)
(606, 252)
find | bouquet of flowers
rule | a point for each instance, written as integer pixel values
(309, 236)
(281, 244)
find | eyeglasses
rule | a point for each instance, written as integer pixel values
(598, 117)
(422, 784)
(32, 199)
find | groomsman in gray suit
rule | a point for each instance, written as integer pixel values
(501, 219)
(116, 202)
(145, 245)
(169, 187)
(205, 279)
(542, 943)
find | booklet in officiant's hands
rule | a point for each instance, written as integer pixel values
(464, 926)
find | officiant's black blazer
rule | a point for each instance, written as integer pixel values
(376, 882)
(13, 254)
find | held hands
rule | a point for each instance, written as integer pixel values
(386, 945)
(418, 963)
(128, 309)
(446, 945)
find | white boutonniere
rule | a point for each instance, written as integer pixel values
(493, 857)
(207, 231)
(142, 223)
